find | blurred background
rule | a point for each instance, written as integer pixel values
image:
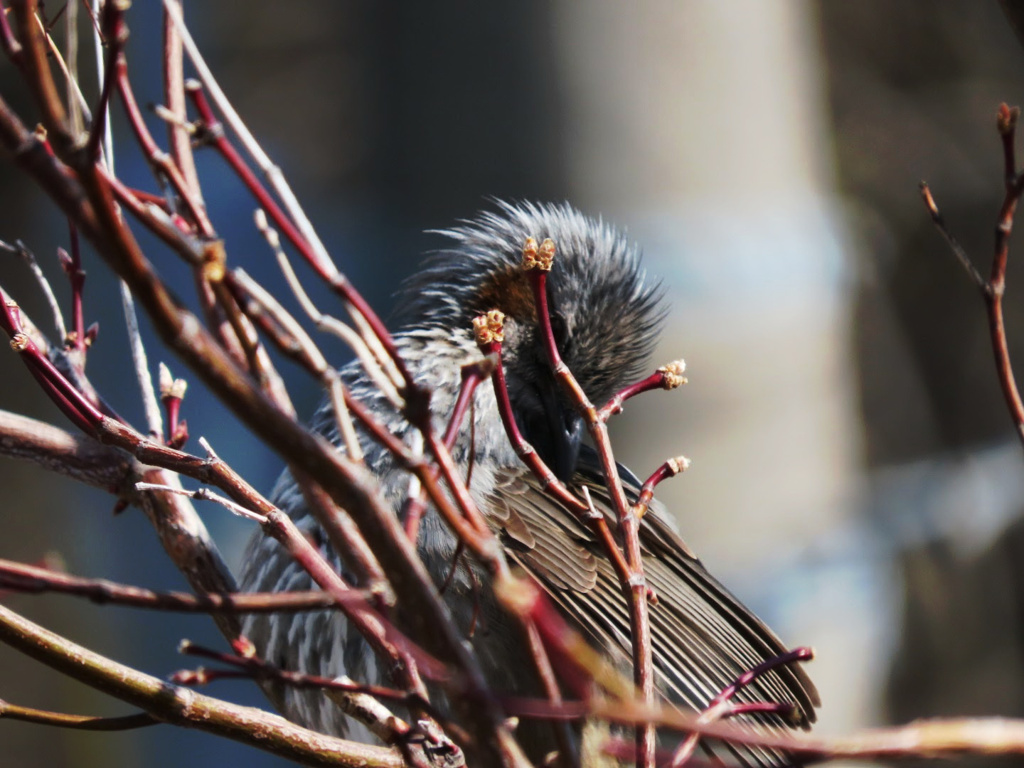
(855, 476)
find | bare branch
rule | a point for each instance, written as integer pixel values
(75, 722)
(994, 287)
(76, 456)
(19, 577)
(26, 255)
(175, 704)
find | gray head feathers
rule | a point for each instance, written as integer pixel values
(605, 312)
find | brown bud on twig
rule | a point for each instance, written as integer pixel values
(1006, 119)
(678, 464)
(243, 646)
(214, 261)
(64, 259)
(538, 258)
(170, 386)
(489, 328)
(172, 392)
(672, 374)
(670, 468)
(194, 677)
(91, 333)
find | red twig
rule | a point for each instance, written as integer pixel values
(668, 376)
(670, 468)
(472, 376)
(162, 164)
(172, 392)
(72, 265)
(247, 664)
(56, 386)
(213, 132)
(537, 262)
(489, 336)
(721, 707)
(19, 577)
(994, 287)
(115, 33)
(143, 196)
(154, 213)
(8, 41)
(174, 96)
(1007, 124)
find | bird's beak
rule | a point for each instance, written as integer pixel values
(557, 436)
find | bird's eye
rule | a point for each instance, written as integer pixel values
(560, 331)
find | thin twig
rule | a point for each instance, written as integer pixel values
(994, 287)
(26, 255)
(174, 96)
(115, 33)
(246, 664)
(72, 265)
(669, 376)
(327, 323)
(10, 711)
(98, 49)
(721, 707)
(302, 236)
(537, 262)
(954, 245)
(140, 362)
(308, 353)
(670, 468)
(204, 494)
(272, 172)
(20, 577)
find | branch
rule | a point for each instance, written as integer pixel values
(994, 287)
(10, 711)
(182, 706)
(247, 665)
(76, 456)
(19, 577)
(537, 263)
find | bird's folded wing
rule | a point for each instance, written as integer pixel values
(703, 637)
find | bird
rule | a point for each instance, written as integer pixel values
(606, 314)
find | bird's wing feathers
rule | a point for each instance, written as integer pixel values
(703, 637)
(554, 547)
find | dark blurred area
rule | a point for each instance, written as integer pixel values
(393, 118)
(914, 89)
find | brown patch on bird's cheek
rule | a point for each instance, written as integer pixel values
(508, 290)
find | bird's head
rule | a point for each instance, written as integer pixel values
(604, 313)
